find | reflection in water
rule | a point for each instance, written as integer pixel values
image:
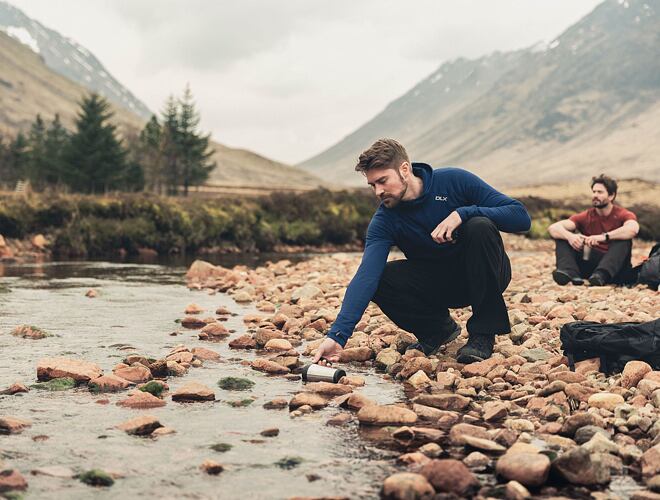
(135, 313)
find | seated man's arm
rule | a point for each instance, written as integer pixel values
(628, 231)
(509, 215)
(360, 290)
(562, 230)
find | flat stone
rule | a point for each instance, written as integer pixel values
(12, 480)
(140, 400)
(358, 354)
(29, 332)
(605, 400)
(267, 366)
(278, 345)
(386, 415)
(193, 392)
(205, 354)
(109, 383)
(140, 426)
(316, 401)
(577, 420)
(78, 370)
(450, 476)
(243, 342)
(136, 374)
(328, 388)
(452, 402)
(482, 444)
(529, 469)
(54, 471)
(458, 433)
(11, 425)
(406, 486)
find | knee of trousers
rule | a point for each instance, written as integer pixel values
(391, 272)
(620, 243)
(478, 227)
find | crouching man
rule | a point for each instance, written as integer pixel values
(421, 212)
(596, 243)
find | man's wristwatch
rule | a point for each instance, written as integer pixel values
(607, 237)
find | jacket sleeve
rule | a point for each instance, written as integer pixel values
(509, 215)
(364, 284)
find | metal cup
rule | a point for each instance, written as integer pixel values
(318, 373)
(586, 252)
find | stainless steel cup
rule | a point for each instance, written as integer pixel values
(586, 252)
(318, 373)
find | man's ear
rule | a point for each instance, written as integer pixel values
(405, 168)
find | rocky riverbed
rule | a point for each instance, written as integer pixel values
(520, 424)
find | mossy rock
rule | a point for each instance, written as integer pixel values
(289, 462)
(96, 477)
(221, 447)
(56, 384)
(240, 403)
(153, 388)
(235, 384)
(13, 495)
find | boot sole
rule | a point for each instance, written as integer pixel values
(453, 336)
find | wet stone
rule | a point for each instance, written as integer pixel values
(11, 425)
(193, 392)
(386, 415)
(450, 476)
(529, 469)
(96, 477)
(140, 426)
(211, 467)
(578, 466)
(406, 486)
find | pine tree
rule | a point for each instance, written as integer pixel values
(95, 157)
(170, 140)
(36, 142)
(16, 162)
(55, 144)
(150, 155)
(193, 145)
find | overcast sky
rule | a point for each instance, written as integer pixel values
(289, 78)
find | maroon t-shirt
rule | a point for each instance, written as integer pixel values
(590, 223)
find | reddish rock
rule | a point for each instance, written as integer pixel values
(651, 461)
(494, 410)
(12, 480)
(580, 392)
(386, 415)
(276, 404)
(481, 368)
(278, 345)
(267, 366)
(192, 322)
(193, 309)
(356, 401)
(80, 371)
(11, 425)
(328, 388)
(414, 365)
(406, 486)
(459, 431)
(452, 402)
(180, 357)
(211, 467)
(16, 388)
(450, 476)
(577, 420)
(193, 392)
(529, 469)
(356, 354)
(215, 329)
(140, 426)
(29, 332)
(271, 432)
(633, 372)
(340, 419)
(109, 383)
(567, 376)
(141, 400)
(205, 354)
(136, 373)
(243, 342)
(316, 401)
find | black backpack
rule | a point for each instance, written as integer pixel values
(615, 344)
(649, 271)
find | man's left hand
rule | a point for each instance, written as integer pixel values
(444, 231)
(592, 241)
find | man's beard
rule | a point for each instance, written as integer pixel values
(600, 204)
(393, 201)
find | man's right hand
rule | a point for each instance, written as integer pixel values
(330, 350)
(576, 241)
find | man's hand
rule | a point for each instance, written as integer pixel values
(576, 241)
(330, 350)
(444, 231)
(592, 241)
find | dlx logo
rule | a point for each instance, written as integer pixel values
(440, 198)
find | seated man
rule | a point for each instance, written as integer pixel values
(447, 222)
(597, 242)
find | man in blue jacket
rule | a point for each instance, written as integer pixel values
(446, 222)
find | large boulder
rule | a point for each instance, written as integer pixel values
(529, 469)
(450, 476)
(406, 486)
(78, 370)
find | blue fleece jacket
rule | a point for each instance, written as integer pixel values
(409, 225)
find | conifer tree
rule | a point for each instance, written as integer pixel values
(170, 146)
(150, 155)
(55, 144)
(35, 164)
(16, 160)
(95, 158)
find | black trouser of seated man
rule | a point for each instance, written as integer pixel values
(416, 294)
(614, 265)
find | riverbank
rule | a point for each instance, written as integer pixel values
(128, 225)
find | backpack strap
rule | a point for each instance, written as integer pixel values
(571, 361)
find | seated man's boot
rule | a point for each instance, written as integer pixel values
(564, 278)
(599, 278)
(478, 348)
(449, 331)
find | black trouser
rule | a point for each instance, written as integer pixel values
(416, 293)
(615, 262)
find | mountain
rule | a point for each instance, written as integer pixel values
(28, 86)
(587, 102)
(67, 58)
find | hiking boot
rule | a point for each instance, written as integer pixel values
(478, 348)
(598, 278)
(442, 339)
(564, 278)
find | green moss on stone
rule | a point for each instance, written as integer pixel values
(153, 388)
(56, 384)
(289, 462)
(96, 477)
(235, 384)
(221, 447)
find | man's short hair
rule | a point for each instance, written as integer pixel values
(609, 183)
(384, 153)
